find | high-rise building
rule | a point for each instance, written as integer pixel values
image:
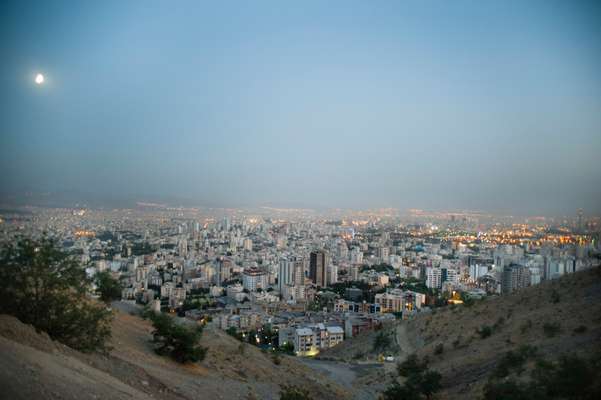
(514, 277)
(332, 274)
(318, 264)
(253, 279)
(248, 244)
(433, 278)
(354, 272)
(291, 272)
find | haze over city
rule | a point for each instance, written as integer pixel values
(491, 106)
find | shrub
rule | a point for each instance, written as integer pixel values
(421, 382)
(45, 287)
(580, 329)
(291, 392)
(551, 329)
(410, 366)
(108, 287)
(555, 298)
(439, 349)
(287, 348)
(177, 341)
(569, 378)
(514, 361)
(382, 341)
(484, 331)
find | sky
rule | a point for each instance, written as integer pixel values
(441, 105)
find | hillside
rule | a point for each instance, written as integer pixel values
(557, 317)
(33, 366)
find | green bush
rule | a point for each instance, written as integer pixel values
(108, 287)
(571, 377)
(176, 340)
(382, 341)
(420, 381)
(291, 392)
(484, 331)
(551, 329)
(45, 287)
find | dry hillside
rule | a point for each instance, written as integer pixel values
(558, 317)
(33, 366)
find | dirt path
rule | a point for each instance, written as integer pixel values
(348, 375)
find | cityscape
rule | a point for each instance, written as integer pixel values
(321, 200)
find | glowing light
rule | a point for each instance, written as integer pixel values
(39, 79)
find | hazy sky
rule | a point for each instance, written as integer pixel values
(426, 104)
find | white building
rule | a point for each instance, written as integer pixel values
(433, 278)
(253, 279)
(304, 342)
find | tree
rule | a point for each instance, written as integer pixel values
(108, 287)
(420, 381)
(287, 348)
(43, 286)
(290, 392)
(177, 341)
(382, 341)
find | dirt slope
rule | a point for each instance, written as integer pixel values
(465, 359)
(33, 366)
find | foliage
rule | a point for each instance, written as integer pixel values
(176, 340)
(571, 377)
(378, 268)
(287, 348)
(291, 392)
(555, 298)
(514, 361)
(108, 287)
(382, 341)
(420, 381)
(43, 286)
(551, 329)
(439, 349)
(484, 331)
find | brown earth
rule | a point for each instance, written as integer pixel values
(34, 367)
(464, 358)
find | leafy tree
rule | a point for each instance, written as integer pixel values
(411, 366)
(108, 287)
(427, 383)
(397, 391)
(287, 348)
(291, 392)
(177, 341)
(420, 381)
(45, 287)
(382, 341)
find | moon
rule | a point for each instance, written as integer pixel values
(39, 79)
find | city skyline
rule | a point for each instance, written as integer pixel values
(482, 106)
